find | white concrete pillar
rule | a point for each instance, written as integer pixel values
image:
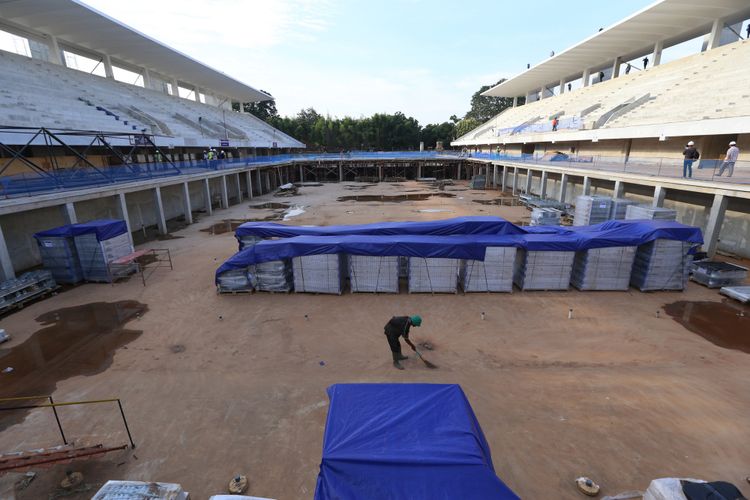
(715, 220)
(659, 194)
(515, 102)
(616, 67)
(260, 181)
(301, 174)
(224, 192)
(529, 178)
(161, 222)
(541, 93)
(188, 209)
(543, 185)
(505, 177)
(586, 77)
(69, 210)
(656, 56)
(175, 89)
(249, 180)
(562, 86)
(619, 187)
(341, 173)
(419, 171)
(714, 38)
(207, 196)
(380, 172)
(123, 205)
(5, 263)
(108, 67)
(55, 54)
(494, 176)
(239, 187)
(268, 182)
(146, 78)
(515, 179)
(563, 187)
(586, 185)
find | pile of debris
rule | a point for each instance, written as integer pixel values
(287, 190)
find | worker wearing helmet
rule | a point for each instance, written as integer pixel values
(398, 326)
(691, 154)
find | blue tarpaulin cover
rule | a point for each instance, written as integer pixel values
(103, 228)
(470, 246)
(405, 441)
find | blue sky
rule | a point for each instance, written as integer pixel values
(355, 58)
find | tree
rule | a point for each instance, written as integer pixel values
(262, 109)
(466, 125)
(483, 108)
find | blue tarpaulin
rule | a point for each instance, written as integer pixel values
(405, 441)
(103, 228)
(472, 246)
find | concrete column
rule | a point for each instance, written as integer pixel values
(239, 187)
(659, 194)
(249, 180)
(656, 56)
(563, 187)
(494, 175)
(224, 192)
(207, 196)
(108, 67)
(161, 222)
(619, 187)
(419, 171)
(529, 178)
(55, 54)
(123, 205)
(541, 93)
(586, 77)
(714, 38)
(301, 174)
(515, 102)
(268, 182)
(175, 89)
(616, 67)
(341, 173)
(260, 181)
(69, 210)
(146, 78)
(543, 185)
(715, 220)
(186, 203)
(586, 185)
(515, 179)
(505, 177)
(7, 265)
(380, 172)
(562, 86)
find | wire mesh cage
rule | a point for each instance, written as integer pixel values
(272, 276)
(60, 257)
(325, 273)
(375, 274)
(591, 210)
(543, 270)
(661, 265)
(494, 274)
(433, 275)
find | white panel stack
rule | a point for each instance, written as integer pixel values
(273, 276)
(248, 240)
(620, 207)
(137, 489)
(236, 280)
(649, 212)
(543, 270)
(494, 274)
(60, 256)
(661, 265)
(433, 275)
(323, 273)
(603, 268)
(96, 255)
(374, 274)
(591, 210)
(545, 216)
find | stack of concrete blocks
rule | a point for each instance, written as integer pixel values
(541, 216)
(433, 275)
(373, 274)
(96, 255)
(272, 276)
(603, 268)
(648, 212)
(236, 280)
(324, 273)
(661, 265)
(60, 257)
(620, 207)
(543, 270)
(494, 274)
(591, 210)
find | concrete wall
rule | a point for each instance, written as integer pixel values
(18, 229)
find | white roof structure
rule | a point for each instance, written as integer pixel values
(667, 21)
(78, 24)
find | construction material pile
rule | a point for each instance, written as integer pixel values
(661, 265)
(16, 292)
(60, 257)
(603, 268)
(620, 207)
(592, 210)
(543, 270)
(273, 276)
(433, 275)
(545, 216)
(494, 274)
(651, 213)
(374, 274)
(323, 273)
(718, 274)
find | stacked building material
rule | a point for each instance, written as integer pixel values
(494, 274)
(649, 212)
(620, 207)
(718, 274)
(545, 217)
(591, 210)
(324, 273)
(543, 270)
(95, 254)
(603, 268)
(661, 265)
(273, 276)
(739, 293)
(433, 275)
(478, 182)
(237, 280)
(60, 257)
(15, 292)
(248, 240)
(375, 274)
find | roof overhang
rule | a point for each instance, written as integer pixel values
(668, 21)
(82, 26)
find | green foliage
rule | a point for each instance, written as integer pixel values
(467, 125)
(264, 110)
(483, 108)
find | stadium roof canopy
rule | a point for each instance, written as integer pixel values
(669, 21)
(80, 25)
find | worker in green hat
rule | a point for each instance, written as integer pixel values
(398, 326)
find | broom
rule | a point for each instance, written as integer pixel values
(426, 363)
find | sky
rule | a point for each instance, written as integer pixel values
(356, 57)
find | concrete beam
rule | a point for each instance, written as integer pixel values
(55, 54)
(563, 187)
(249, 180)
(5, 263)
(161, 222)
(108, 67)
(543, 185)
(529, 178)
(619, 189)
(715, 221)
(123, 206)
(659, 194)
(207, 197)
(224, 192)
(586, 185)
(186, 203)
(69, 210)
(515, 180)
(239, 187)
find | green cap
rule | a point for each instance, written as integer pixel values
(416, 320)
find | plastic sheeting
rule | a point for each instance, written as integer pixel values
(104, 229)
(404, 441)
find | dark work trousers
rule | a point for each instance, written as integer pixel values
(394, 343)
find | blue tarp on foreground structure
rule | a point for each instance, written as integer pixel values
(471, 246)
(103, 228)
(405, 441)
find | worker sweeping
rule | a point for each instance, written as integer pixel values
(398, 326)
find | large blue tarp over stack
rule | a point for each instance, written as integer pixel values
(405, 441)
(103, 228)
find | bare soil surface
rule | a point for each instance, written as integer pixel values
(214, 386)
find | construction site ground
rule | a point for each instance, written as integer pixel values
(634, 387)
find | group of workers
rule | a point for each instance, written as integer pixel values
(691, 155)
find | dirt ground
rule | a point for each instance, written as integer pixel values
(213, 386)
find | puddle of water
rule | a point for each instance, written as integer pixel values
(79, 340)
(496, 201)
(395, 198)
(358, 187)
(721, 323)
(229, 225)
(271, 205)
